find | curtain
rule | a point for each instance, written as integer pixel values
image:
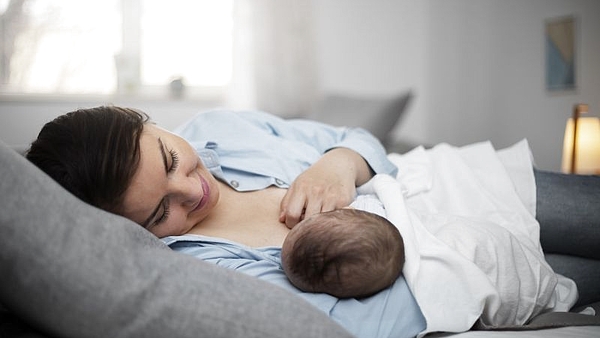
(274, 67)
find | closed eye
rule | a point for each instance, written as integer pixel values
(170, 157)
(170, 166)
(154, 218)
(174, 161)
(165, 214)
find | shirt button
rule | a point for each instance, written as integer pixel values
(234, 183)
(278, 182)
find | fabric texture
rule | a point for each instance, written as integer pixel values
(584, 271)
(391, 313)
(457, 224)
(377, 115)
(71, 270)
(251, 150)
(569, 212)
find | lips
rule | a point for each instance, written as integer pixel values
(205, 196)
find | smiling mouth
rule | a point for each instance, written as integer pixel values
(205, 196)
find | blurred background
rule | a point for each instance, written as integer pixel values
(476, 69)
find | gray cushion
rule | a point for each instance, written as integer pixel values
(71, 270)
(584, 271)
(377, 115)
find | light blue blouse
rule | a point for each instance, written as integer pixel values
(391, 313)
(251, 150)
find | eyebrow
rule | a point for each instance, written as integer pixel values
(163, 154)
(161, 146)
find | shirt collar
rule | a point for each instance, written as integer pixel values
(210, 159)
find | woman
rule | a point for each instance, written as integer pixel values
(236, 177)
(239, 178)
(107, 155)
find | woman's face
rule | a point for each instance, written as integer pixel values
(172, 190)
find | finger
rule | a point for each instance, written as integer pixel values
(292, 209)
(331, 204)
(282, 208)
(313, 207)
(283, 205)
(291, 218)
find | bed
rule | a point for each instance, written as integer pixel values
(71, 270)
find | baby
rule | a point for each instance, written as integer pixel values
(347, 253)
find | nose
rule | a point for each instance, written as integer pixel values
(187, 190)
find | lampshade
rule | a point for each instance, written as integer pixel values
(587, 159)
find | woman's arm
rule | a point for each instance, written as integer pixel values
(323, 138)
(330, 182)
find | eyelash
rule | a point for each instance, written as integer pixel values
(165, 214)
(174, 164)
(174, 159)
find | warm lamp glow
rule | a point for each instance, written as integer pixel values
(587, 160)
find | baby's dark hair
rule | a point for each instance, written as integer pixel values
(345, 253)
(93, 153)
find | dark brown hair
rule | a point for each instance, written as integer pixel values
(345, 253)
(93, 153)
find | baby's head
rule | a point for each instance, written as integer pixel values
(345, 253)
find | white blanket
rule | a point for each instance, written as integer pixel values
(467, 216)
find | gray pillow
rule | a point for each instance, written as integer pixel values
(71, 270)
(377, 115)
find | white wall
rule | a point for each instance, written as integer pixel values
(375, 48)
(477, 66)
(22, 119)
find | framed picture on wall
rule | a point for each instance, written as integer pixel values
(560, 36)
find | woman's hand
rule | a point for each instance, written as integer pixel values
(328, 184)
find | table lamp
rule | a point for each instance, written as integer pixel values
(581, 146)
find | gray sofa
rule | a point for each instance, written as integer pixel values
(71, 270)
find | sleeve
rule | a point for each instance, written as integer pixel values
(319, 136)
(326, 137)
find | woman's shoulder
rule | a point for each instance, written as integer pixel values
(226, 118)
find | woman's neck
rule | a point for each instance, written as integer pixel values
(250, 218)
